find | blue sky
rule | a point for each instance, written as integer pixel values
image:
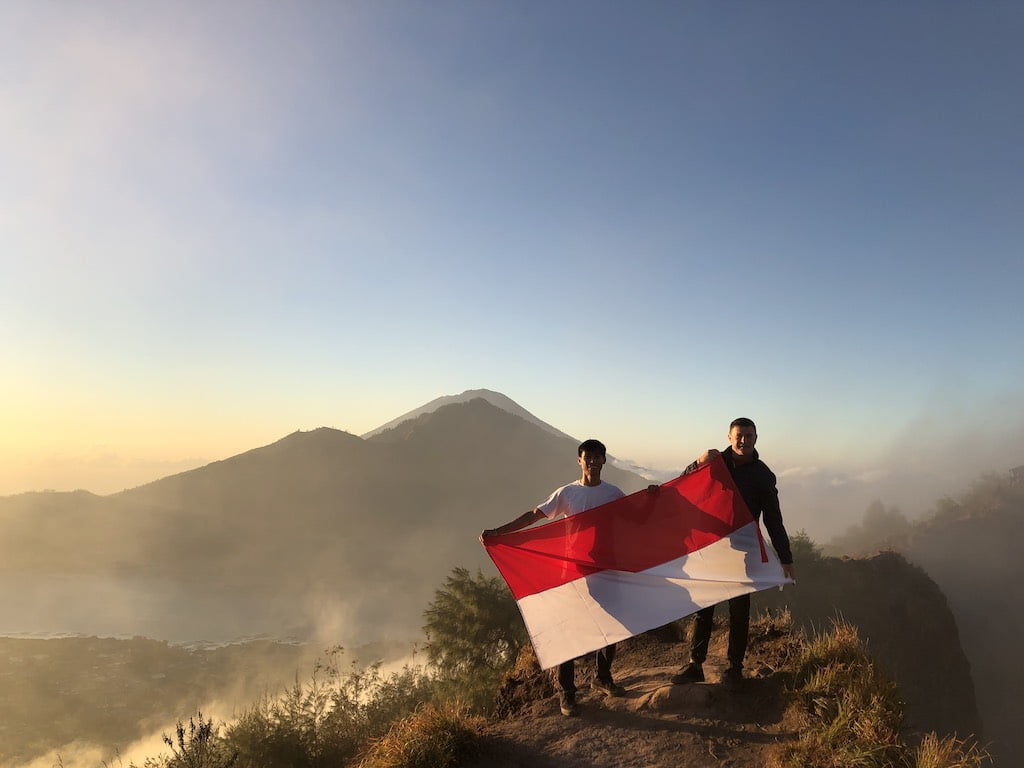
(220, 223)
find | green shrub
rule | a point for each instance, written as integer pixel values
(329, 719)
(474, 632)
(197, 746)
(473, 624)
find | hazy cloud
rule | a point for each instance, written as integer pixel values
(798, 472)
(102, 472)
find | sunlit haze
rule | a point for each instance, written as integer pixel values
(221, 223)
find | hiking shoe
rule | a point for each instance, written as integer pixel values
(691, 673)
(567, 704)
(608, 687)
(732, 680)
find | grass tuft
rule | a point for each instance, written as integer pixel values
(432, 737)
(935, 752)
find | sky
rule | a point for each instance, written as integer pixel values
(224, 222)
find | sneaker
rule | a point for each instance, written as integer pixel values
(732, 680)
(691, 673)
(608, 687)
(567, 704)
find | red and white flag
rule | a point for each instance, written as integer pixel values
(634, 564)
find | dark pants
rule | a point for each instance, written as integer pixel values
(739, 630)
(567, 669)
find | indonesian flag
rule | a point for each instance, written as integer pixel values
(600, 576)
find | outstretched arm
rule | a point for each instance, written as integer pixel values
(524, 520)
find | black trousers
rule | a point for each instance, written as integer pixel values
(567, 669)
(739, 631)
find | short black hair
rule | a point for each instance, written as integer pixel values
(743, 422)
(592, 446)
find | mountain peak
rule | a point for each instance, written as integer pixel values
(496, 399)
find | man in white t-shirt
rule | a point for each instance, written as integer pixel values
(586, 493)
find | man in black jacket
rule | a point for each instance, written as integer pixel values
(756, 484)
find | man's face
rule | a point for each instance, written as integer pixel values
(592, 463)
(742, 440)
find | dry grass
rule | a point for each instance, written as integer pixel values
(849, 714)
(433, 737)
(934, 752)
(772, 623)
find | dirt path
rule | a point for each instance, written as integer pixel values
(655, 724)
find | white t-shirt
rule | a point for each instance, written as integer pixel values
(576, 497)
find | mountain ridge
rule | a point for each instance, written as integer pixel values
(506, 403)
(334, 439)
(303, 520)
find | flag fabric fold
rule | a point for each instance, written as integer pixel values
(634, 564)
